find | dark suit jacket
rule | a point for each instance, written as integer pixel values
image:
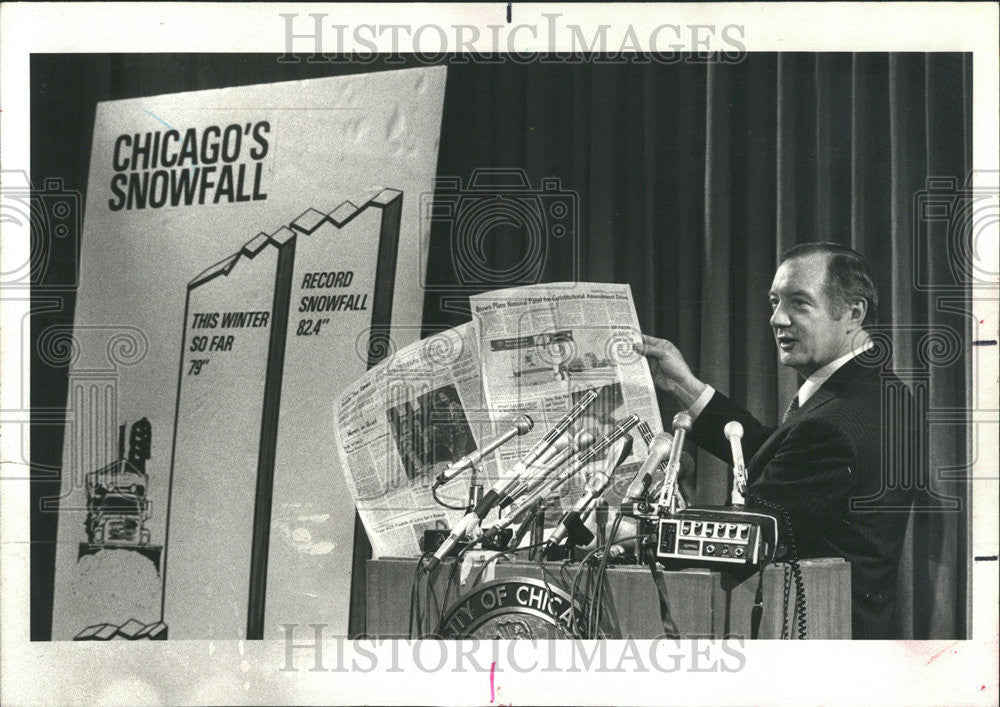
(839, 467)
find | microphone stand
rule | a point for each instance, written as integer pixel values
(475, 489)
(526, 525)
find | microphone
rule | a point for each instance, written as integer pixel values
(582, 441)
(519, 506)
(616, 433)
(659, 448)
(522, 425)
(502, 488)
(595, 487)
(560, 451)
(682, 425)
(645, 432)
(562, 443)
(546, 441)
(601, 521)
(610, 437)
(687, 466)
(734, 433)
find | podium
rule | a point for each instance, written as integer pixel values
(702, 603)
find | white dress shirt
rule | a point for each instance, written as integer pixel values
(807, 389)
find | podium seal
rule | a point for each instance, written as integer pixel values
(513, 607)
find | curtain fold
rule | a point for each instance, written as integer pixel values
(717, 312)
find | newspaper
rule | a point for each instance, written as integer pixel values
(403, 423)
(543, 347)
(533, 350)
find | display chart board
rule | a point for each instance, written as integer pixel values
(239, 247)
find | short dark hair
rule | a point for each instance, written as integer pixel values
(848, 277)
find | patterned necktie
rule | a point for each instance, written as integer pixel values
(793, 407)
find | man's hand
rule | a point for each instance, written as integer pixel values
(670, 371)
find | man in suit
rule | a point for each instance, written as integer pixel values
(829, 461)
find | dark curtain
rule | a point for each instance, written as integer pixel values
(691, 178)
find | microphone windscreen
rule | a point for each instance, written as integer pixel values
(624, 451)
(659, 448)
(687, 470)
(683, 421)
(560, 443)
(582, 440)
(596, 483)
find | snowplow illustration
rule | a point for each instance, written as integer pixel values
(117, 503)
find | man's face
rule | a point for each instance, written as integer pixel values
(810, 329)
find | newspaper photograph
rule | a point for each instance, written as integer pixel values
(543, 347)
(400, 425)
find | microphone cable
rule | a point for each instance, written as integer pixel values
(415, 605)
(580, 574)
(526, 524)
(801, 620)
(437, 499)
(575, 591)
(670, 628)
(563, 583)
(444, 602)
(602, 572)
(502, 553)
